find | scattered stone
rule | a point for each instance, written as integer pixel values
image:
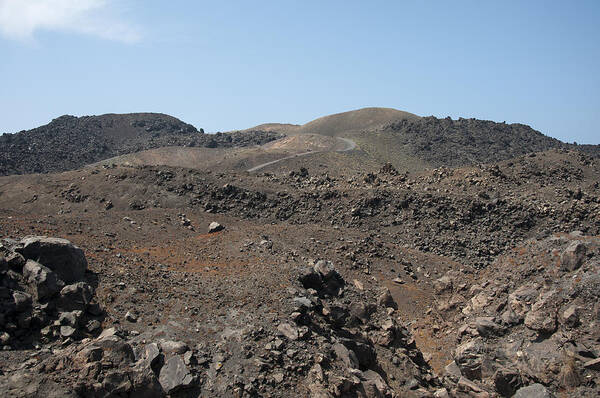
(573, 256)
(131, 317)
(288, 330)
(571, 316)
(215, 227)
(278, 377)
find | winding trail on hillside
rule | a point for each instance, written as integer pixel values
(350, 145)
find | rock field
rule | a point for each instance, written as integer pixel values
(303, 279)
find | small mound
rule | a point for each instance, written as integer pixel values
(361, 119)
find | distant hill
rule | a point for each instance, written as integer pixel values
(407, 141)
(411, 142)
(340, 123)
(433, 142)
(361, 119)
(70, 142)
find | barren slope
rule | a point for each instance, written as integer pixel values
(225, 294)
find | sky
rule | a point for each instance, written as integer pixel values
(225, 65)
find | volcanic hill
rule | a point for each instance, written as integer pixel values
(70, 142)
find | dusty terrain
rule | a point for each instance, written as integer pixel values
(291, 297)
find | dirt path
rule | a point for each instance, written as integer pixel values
(350, 145)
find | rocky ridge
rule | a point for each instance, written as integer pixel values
(70, 142)
(476, 213)
(416, 143)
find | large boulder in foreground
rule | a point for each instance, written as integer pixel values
(61, 256)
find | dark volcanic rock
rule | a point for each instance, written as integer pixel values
(70, 142)
(175, 375)
(59, 255)
(43, 282)
(36, 306)
(448, 142)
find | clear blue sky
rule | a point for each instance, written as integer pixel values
(225, 65)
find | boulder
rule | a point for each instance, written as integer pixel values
(469, 358)
(152, 356)
(173, 347)
(386, 300)
(507, 381)
(471, 388)
(325, 268)
(373, 385)
(13, 261)
(21, 300)
(481, 302)
(42, 281)
(323, 278)
(533, 391)
(67, 331)
(542, 317)
(593, 364)
(348, 357)
(215, 227)
(288, 330)
(175, 375)
(75, 297)
(487, 327)
(61, 256)
(361, 311)
(364, 352)
(572, 257)
(144, 382)
(116, 382)
(441, 393)
(452, 371)
(519, 301)
(310, 278)
(115, 350)
(570, 316)
(443, 284)
(72, 318)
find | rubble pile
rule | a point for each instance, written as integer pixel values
(532, 317)
(44, 293)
